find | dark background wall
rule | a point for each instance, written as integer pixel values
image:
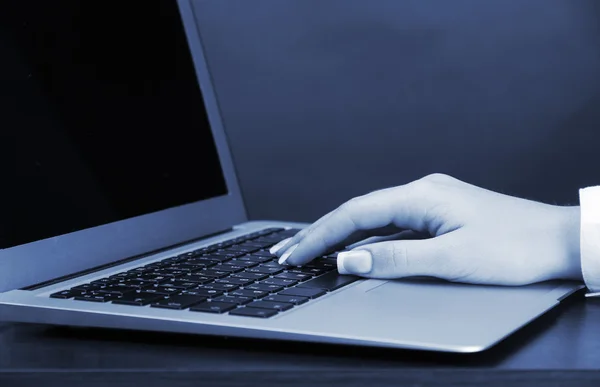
(324, 100)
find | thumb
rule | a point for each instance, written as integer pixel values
(397, 259)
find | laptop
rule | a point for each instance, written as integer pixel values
(121, 208)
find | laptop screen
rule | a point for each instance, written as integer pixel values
(101, 116)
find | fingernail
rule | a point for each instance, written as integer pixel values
(287, 254)
(278, 246)
(355, 262)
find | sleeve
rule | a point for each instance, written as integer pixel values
(589, 201)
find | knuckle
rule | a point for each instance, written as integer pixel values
(346, 205)
(350, 206)
(432, 183)
(321, 242)
(423, 186)
(316, 238)
(396, 260)
(305, 231)
(439, 178)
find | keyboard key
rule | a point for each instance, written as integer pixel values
(251, 258)
(257, 246)
(136, 283)
(213, 273)
(229, 268)
(296, 300)
(221, 245)
(271, 288)
(280, 306)
(178, 302)
(213, 307)
(235, 281)
(240, 250)
(95, 297)
(266, 238)
(169, 273)
(264, 254)
(106, 281)
(199, 279)
(125, 275)
(265, 270)
(330, 281)
(253, 235)
(308, 270)
(117, 290)
(253, 276)
(138, 298)
(121, 284)
(322, 265)
(213, 258)
(189, 267)
(219, 286)
(203, 292)
(204, 261)
(260, 244)
(254, 312)
(87, 287)
(225, 254)
(154, 278)
(249, 293)
(178, 284)
(325, 262)
(294, 276)
(236, 262)
(302, 292)
(289, 232)
(189, 254)
(270, 230)
(162, 291)
(271, 236)
(65, 294)
(234, 299)
(139, 270)
(273, 263)
(298, 271)
(328, 261)
(252, 244)
(156, 265)
(168, 261)
(208, 249)
(279, 281)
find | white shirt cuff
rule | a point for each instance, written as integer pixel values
(589, 201)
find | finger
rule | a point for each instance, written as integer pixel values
(285, 244)
(397, 259)
(355, 237)
(282, 246)
(361, 235)
(406, 207)
(402, 235)
(358, 235)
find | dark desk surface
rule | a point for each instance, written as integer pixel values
(559, 349)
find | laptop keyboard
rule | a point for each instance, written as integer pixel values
(238, 276)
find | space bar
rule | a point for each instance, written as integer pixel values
(330, 281)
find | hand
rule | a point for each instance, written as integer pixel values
(477, 236)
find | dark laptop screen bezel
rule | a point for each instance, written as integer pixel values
(62, 255)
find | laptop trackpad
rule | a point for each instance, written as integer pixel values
(433, 288)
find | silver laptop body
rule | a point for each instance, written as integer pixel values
(415, 314)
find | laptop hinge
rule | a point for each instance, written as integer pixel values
(120, 262)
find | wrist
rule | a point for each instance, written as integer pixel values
(570, 225)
